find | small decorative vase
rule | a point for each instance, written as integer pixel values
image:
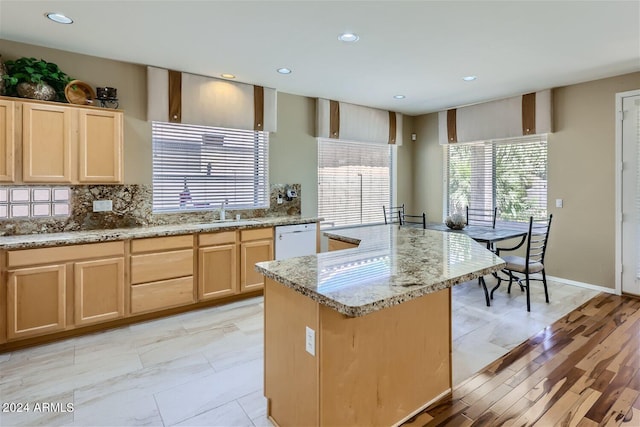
(455, 221)
(39, 91)
(3, 71)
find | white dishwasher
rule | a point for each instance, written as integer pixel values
(295, 240)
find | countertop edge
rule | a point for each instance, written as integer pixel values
(357, 311)
(341, 238)
(32, 241)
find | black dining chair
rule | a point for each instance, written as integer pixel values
(393, 214)
(482, 217)
(414, 220)
(531, 263)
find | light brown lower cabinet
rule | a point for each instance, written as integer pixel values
(251, 253)
(161, 273)
(99, 290)
(217, 265)
(36, 301)
(256, 245)
(162, 294)
(55, 289)
(227, 261)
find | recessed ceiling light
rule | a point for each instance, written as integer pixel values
(227, 76)
(469, 78)
(284, 70)
(348, 37)
(399, 96)
(59, 18)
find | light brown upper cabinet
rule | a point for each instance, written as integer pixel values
(7, 140)
(100, 146)
(59, 143)
(47, 143)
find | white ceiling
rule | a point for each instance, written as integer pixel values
(420, 49)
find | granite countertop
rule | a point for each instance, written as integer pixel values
(392, 265)
(28, 241)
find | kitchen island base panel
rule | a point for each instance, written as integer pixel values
(375, 369)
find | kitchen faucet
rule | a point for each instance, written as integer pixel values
(222, 211)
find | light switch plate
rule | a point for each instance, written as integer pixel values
(559, 203)
(102, 205)
(310, 341)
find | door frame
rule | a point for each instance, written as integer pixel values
(618, 168)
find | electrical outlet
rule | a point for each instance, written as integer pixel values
(310, 341)
(102, 205)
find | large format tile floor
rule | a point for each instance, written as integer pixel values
(205, 367)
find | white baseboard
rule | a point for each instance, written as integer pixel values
(583, 285)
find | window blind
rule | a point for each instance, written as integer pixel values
(509, 174)
(354, 181)
(201, 167)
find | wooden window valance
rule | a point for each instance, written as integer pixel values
(178, 97)
(528, 114)
(341, 120)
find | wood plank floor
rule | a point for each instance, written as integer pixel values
(583, 370)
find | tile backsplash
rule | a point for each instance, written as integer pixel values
(132, 207)
(20, 202)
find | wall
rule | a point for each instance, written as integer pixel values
(404, 168)
(428, 169)
(581, 171)
(293, 150)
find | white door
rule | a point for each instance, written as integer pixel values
(630, 233)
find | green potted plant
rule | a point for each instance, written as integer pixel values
(35, 79)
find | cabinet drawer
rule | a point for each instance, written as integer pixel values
(155, 244)
(64, 253)
(160, 266)
(209, 239)
(159, 295)
(256, 234)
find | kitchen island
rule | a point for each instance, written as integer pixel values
(362, 336)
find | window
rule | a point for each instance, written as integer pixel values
(508, 174)
(354, 181)
(201, 167)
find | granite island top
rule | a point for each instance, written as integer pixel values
(391, 265)
(28, 241)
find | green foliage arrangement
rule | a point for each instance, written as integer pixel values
(32, 70)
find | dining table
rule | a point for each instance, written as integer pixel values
(487, 235)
